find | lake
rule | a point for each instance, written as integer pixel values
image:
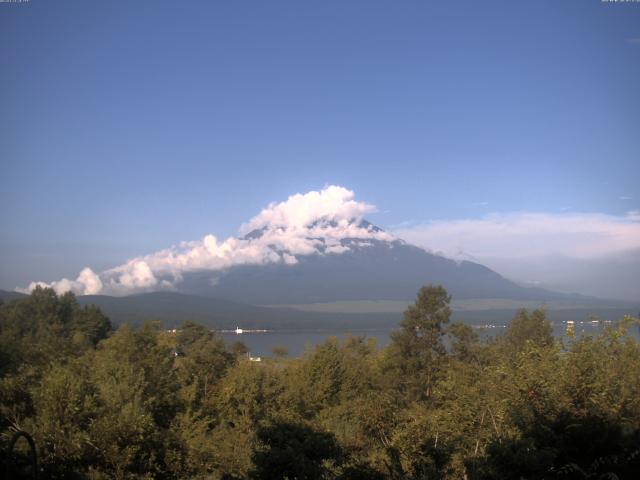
(260, 344)
(296, 341)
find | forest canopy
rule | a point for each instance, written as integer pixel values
(438, 402)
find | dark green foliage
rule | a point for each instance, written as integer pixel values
(20, 458)
(566, 447)
(464, 342)
(203, 359)
(437, 403)
(43, 327)
(295, 452)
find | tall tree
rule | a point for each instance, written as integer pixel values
(528, 327)
(417, 349)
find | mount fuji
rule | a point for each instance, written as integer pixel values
(312, 248)
(364, 268)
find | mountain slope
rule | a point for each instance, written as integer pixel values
(369, 270)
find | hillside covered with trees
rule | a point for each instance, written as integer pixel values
(437, 403)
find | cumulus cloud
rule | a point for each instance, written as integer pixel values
(516, 235)
(87, 283)
(316, 222)
(302, 210)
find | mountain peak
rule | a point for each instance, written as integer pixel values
(327, 224)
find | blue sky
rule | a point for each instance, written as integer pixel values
(127, 127)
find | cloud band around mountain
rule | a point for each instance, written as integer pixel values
(312, 223)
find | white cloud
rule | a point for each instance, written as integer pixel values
(299, 211)
(516, 235)
(304, 224)
(87, 283)
(90, 281)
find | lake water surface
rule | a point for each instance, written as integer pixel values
(261, 344)
(296, 341)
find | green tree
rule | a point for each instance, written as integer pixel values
(203, 360)
(136, 387)
(528, 327)
(66, 405)
(417, 350)
(45, 327)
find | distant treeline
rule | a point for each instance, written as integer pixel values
(147, 403)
